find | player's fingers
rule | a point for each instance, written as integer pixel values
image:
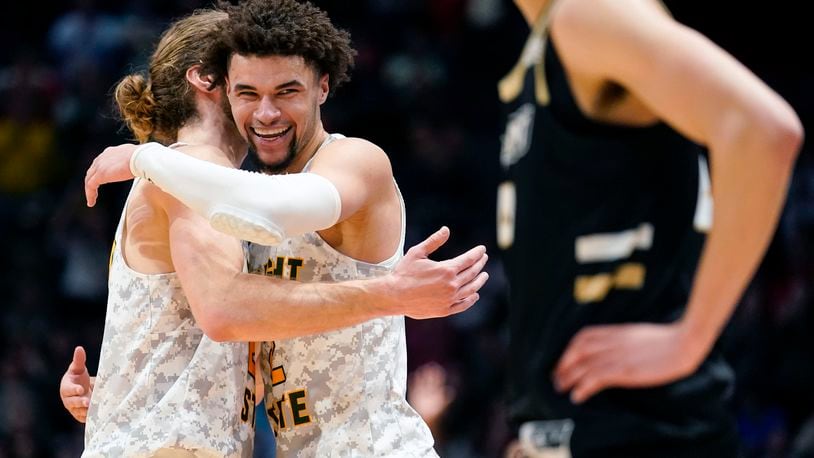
(474, 286)
(600, 377)
(583, 345)
(78, 363)
(81, 415)
(466, 260)
(463, 304)
(76, 402)
(430, 244)
(91, 188)
(92, 168)
(70, 389)
(567, 377)
(467, 275)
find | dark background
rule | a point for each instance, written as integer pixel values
(424, 90)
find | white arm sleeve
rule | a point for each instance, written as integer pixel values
(251, 206)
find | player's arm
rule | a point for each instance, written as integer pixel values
(231, 305)
(359, 171)
(753, 137)
(251, 206)
(348, 175)
(225, 301)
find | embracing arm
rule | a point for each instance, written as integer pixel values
(347, 176)
(250, 206)
(753, 137)
(231, 305)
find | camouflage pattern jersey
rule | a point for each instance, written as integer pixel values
(162, 385)
(340, 393)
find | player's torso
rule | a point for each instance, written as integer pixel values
(340, 393)
(600, 214)
(601, 224)
(161, 382)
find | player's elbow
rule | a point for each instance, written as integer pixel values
(213, 319)
(771, 137)
(778, 130)
(216, 331)
(786, 137)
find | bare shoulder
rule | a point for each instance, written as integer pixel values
(357, 154)
(584, 26)
(580, 13)
(612, 39)
(357, 147)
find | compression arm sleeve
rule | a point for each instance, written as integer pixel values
(251, 206)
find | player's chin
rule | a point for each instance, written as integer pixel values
(270, 157)
(273, 162)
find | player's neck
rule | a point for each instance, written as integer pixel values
(211, 127)
(307, 151)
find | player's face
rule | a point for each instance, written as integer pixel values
(275, 104)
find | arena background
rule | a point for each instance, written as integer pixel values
(423, 89)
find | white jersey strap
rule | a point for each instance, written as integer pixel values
(328, 140)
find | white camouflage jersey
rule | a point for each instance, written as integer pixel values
(340, 393)
(163, 385)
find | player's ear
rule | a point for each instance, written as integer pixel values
(324, 88)
(200, 81)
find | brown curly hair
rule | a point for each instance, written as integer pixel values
(286, 28)
(156, 106)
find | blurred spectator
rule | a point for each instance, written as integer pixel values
(28, 161)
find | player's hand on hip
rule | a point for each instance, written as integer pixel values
(424, 288)
(625, 356)
(112, 166)
(76, 386)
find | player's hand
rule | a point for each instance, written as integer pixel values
(76, 386)
(625, 356)
(422, 288)
(112, 166)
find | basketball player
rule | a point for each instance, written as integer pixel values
(617, 302)
(154, 394)
(335, 391)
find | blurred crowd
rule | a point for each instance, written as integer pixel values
(424, 90)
